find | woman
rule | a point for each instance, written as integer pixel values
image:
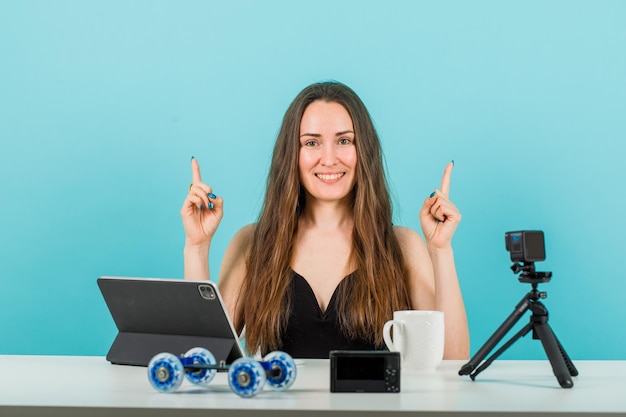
(324, 267)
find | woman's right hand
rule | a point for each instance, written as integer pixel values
(202, 210)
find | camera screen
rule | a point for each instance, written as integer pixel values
(358, 368)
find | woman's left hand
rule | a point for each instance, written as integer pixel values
(439, 217)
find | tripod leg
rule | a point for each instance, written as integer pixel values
(495, 338)
(570, 365)
(499, 352)
(551, 346)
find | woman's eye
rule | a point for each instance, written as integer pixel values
(310, 143)
(345, 141)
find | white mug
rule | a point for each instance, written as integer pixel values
(419, 337)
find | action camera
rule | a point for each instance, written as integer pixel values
(526, 245)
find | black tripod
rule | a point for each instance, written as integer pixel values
(562, 365)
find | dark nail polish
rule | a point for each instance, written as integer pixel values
(432, 194)
(193, 157)
(211, 196)
(453, 162)
(211, 206)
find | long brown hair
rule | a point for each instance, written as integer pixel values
(378, 286)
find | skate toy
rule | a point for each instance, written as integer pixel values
(246, 376)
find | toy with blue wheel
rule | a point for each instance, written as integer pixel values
(246, 376)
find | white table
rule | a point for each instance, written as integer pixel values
(80, 386)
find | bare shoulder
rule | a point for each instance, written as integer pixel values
(413, 248)
(243, 237)
(235, 253)
(409, 239)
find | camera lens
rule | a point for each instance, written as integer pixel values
(206, 291)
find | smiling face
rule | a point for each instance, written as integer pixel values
(327, 158)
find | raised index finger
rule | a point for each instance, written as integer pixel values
(445, 181)
(195, 171)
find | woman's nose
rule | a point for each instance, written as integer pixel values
(329, 155)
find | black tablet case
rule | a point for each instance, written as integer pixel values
(155, 315)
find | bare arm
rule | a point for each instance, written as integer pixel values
(419, 268)
(434, 286)
(448, 298)
(201, 214)
(233, 272)
(439, 219)
(196, 261)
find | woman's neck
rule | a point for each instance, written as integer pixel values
(328, 215)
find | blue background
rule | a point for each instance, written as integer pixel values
(103, 103)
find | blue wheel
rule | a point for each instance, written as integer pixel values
(200, 356)
(246, 377)
(165, 372)
(280, 369)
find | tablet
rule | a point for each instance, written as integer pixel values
(167, 315)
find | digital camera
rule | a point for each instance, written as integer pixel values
(364, 371)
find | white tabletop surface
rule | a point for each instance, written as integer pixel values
(68, 386)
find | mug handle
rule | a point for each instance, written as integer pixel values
(387, 335)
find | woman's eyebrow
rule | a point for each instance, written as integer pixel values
(317, 135)
(344, 132)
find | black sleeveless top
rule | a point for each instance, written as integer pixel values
(311, 333)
